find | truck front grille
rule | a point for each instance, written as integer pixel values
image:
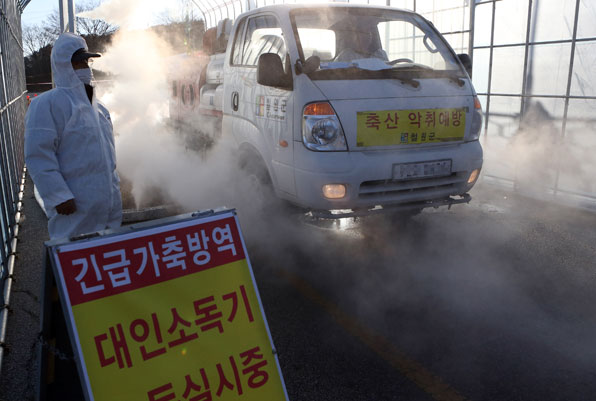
(407, 190)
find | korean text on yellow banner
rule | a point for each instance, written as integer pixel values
(409, 127)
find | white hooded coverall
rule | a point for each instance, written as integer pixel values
(69, 150)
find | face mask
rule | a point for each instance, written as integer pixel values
(85, 75)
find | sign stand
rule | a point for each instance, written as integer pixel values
(58, 377)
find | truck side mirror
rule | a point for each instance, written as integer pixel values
(466, 62)
(310, 65)
(270, 72)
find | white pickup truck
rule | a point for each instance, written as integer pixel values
(346, 109)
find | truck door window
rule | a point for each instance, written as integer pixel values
(263, 35)
(237, 48)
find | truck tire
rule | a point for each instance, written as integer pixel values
(256, 177)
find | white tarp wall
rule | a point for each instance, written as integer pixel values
(535, 71)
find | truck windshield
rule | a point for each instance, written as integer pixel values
(369, 39)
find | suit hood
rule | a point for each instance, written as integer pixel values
(62, 71)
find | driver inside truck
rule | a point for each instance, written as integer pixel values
(358, 43)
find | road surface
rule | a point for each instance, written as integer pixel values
(495, 300)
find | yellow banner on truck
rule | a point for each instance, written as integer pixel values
(410, 127)
(168, 312)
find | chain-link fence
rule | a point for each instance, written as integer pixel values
(13, 103)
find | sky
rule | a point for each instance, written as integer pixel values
(38, 10)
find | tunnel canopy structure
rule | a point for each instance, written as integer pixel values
(452, 17)
(534, 71)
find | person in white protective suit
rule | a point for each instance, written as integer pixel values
(69, 147)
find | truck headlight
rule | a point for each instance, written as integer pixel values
(321, 129)
(325, 131)
(476, 125)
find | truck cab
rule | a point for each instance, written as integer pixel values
(351, 109)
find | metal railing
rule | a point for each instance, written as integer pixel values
(13, 103)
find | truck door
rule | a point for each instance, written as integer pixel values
(262, 115)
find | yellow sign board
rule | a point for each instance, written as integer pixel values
(410, 127)
(169, 313)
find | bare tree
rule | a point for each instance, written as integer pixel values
(168, 18)
(165, 18)
(89, 26)
(85, 26)
(35, 38)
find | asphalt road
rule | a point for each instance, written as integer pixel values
(494, 300)
(489, 301)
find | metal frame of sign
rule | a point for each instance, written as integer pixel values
(128, 232)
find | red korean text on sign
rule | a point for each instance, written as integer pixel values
(391, 121)
(415, 118)
(373, 121)
(179, 328)
(120, 347)
(113, 346)
(456, 118)
(236, 375)
(444, 118)
(430, 119)
(138, 262)
(140, 331)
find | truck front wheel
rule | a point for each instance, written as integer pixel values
(258, 183)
